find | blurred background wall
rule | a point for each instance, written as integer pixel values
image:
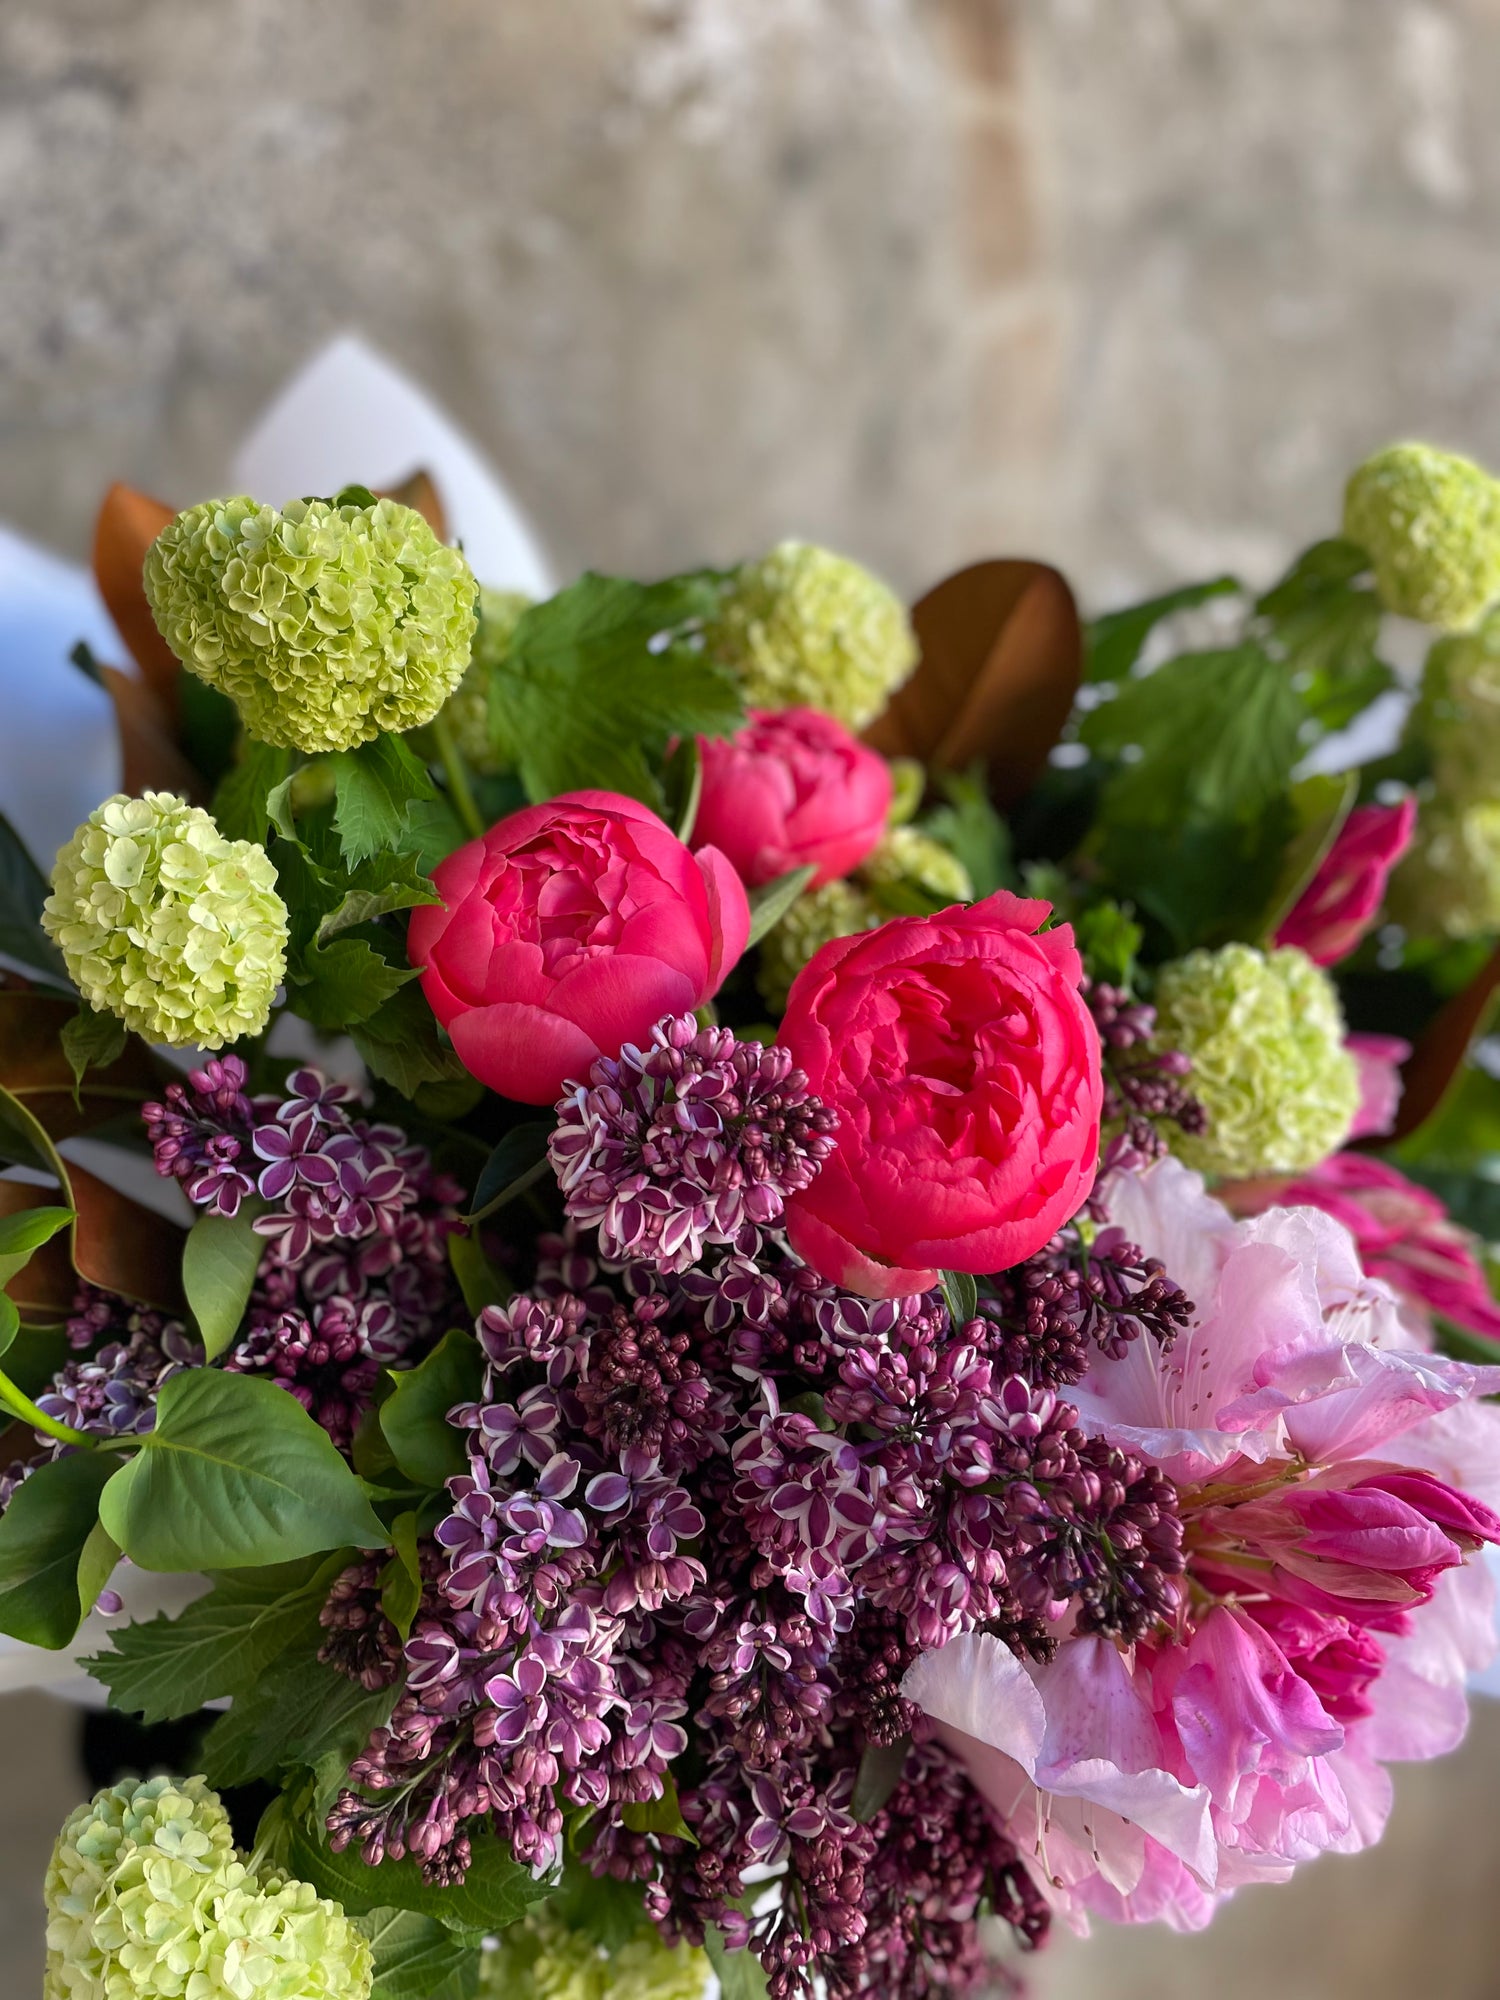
(1126, 283)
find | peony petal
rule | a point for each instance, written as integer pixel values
(522, 1052)
(728, 917)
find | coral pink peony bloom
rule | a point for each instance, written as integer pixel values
(1327, 1470)
(1343, 899)
(566, 932)
(1403, 1233)
(1378, 1058)
(964, 1068)
(792, 787)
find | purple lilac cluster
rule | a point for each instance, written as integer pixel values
(1082, 1293)
(355, 1274)
(1143, 1086)
(695, 1140)
(709, 1518)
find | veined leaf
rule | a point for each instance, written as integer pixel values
(770, 903)
(414, 1417)
(417, 1958)
(401, 1045)
(241, 804)
(23, 890)
(375, 785)
(47, 1563)
(495, 1892)
(298, 1711)
(220, 1260)
(1115, 641)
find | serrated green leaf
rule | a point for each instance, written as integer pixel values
(241, 801)
(414, 1417)
(770, 903)
(221, 1644)
(24, 1233)
(340, 985)
(1114, 642)
(220, 1260)
(374, 787)
(297, 1712)
(400, 1044)
(599, 679)
(377, 887)
(23, 890)
(417, 1958)
(515, 1163)
(48, 1550)
(495, 1892)
(235, 1473)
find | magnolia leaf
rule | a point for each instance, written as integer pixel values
(23, 890)
(770, 903)
(44, 1287)
(46, 1561)
(1002, 649)
(414, 1417)
(129, 522)
(516, 1162)
(35, 1070)
(221, 1644)
(234, 1473)
(151, 759)
(418, 490)
(219, 1262)
(373, 787)
(1438, 1059)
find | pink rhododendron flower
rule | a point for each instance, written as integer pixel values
(1327, 1469)
(964, 1068)
(792, 787)
(1343, 899)
(566, 932)
(1403, 1233)
(1378, 1059)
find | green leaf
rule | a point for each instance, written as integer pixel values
(770, 903)
(1320, 805)
(376, 888)
(297, 1712)
(417, 1958)
(235, 1473)
(1115, 641)
(414, 1417)
(682, 781)
(401, 1045)
(91, 1041)
(495, 1892)
(433, 832)
(374, 786)
(23, 890)
(48, 1553)
(1108, 939)
(221, 1644)
(740, 1973)
(219, 1262)
(663, 1815)
(1326, 627)
(600, 678)
(972, 830)
(10, 1326)
(481, 1284)
(962, 1296)
(879, 1774)
(24, 1233)
(344, 983)
(279, 808)
(401, 1579)
(516, 1162)
(241, 802)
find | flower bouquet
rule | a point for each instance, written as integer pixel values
(835, 1301)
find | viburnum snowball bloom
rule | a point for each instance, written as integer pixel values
(908, 858)
(541, 1958)
(1449, 883)
(1430, 523)
(148, 1900)
(324, 623)
(1266, 1039)
(964, 1067)
(810, 627)
(166, 923)
(1336, 1479)
(838, 909)
(468, 707)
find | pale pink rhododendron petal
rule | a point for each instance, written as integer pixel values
(1344, 897)
(1378, 1059)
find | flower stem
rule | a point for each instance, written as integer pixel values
(22, 1406)
(459, 790)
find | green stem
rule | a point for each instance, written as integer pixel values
(458, 778)
(22, 1406)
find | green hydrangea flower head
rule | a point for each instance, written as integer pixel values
(166, 923)
(543, 1959)
(468, 707)
(1448, 883)
(148, 1900)
(838, 909)
(1266, 1037)
(909, 858)
(325, 622)
(805, 626)
(1430, 523)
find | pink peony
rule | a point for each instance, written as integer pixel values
(1343, 899)
(1327, 1471)
(1403, 1233)
(566, 932)
(793, 787)
(964, 1068)
(1378, 1058)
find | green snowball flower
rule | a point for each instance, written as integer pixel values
(542, 1959)
(148, 1900)
(166, 923)
(1448, 883)
(909, 858)
(1430, 523)
(467, 709)
(838, 909)
(324, 623)
(1266, 1038)
(805, 626)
